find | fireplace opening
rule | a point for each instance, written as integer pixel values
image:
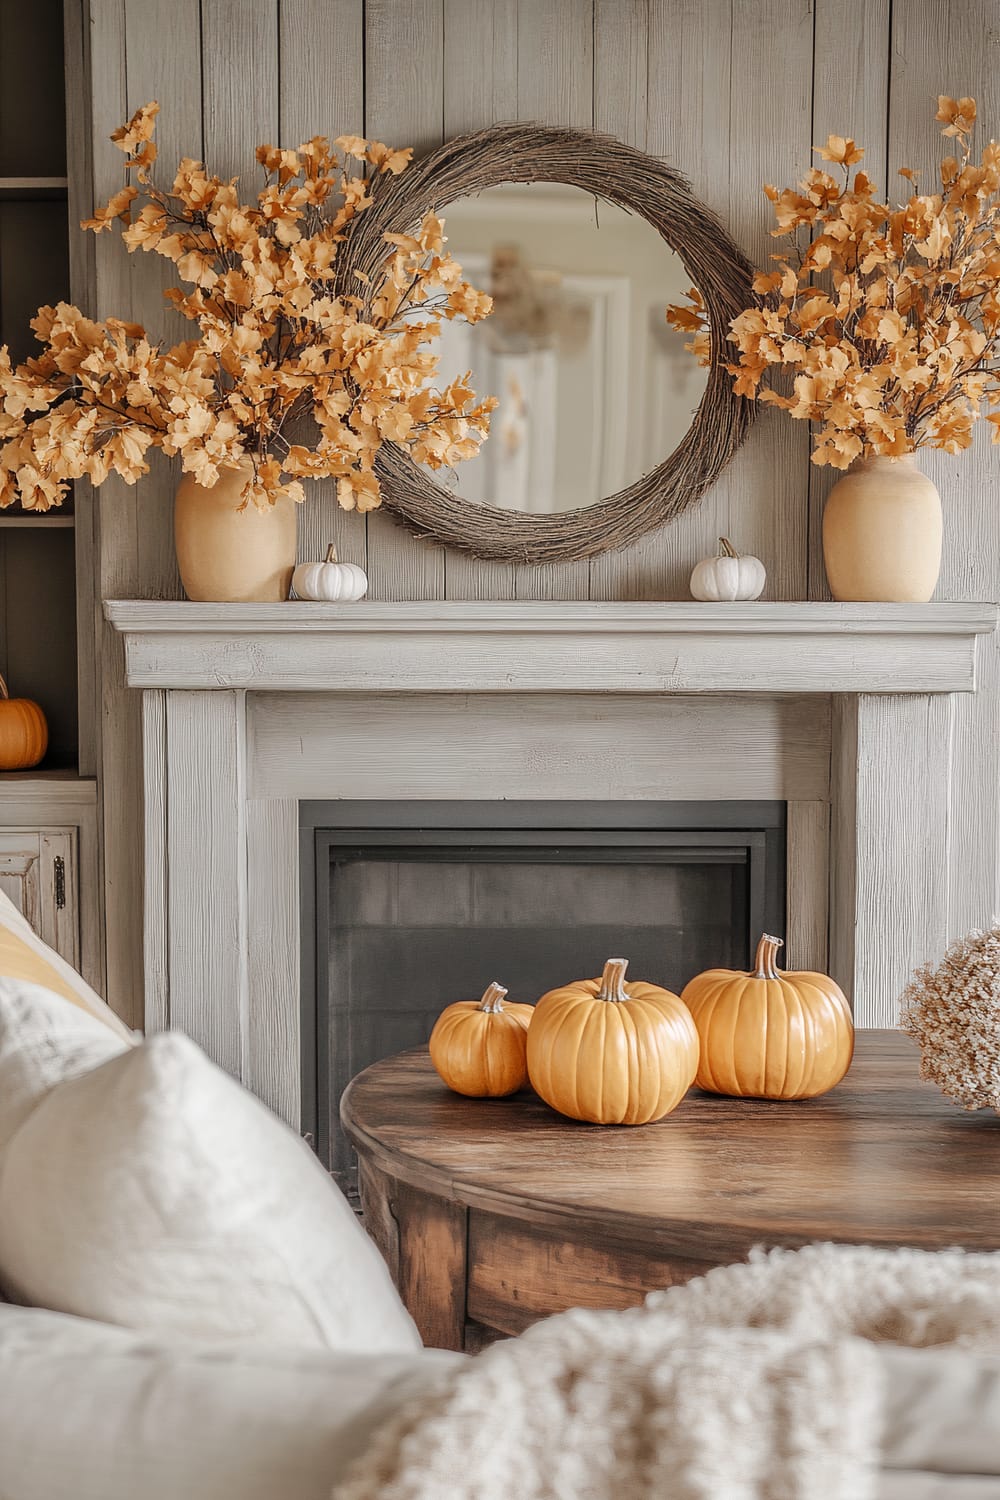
(407, 906)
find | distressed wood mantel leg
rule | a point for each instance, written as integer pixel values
(196, 869)
(901, 819)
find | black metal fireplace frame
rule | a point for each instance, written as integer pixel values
(639, 831)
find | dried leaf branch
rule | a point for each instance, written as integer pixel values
(886, 319)
(278, 338)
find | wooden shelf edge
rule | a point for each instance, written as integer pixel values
(46, 522)
(57, 786)
(33, 182)
(33, 189)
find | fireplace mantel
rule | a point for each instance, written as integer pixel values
(553, 647)
(844, 712)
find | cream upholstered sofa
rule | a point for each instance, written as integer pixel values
(194, 1311)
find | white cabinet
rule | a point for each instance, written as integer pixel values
(38, 871)
(49, 863)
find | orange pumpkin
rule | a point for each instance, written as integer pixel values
(24, 734)
(610, 1052)
(478, 1046)
(770, 1035)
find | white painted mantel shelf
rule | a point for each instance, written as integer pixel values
(526, 646)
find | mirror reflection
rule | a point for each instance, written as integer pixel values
(594, 389)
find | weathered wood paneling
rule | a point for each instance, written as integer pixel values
(316, 745)
(955, 49)
(118, 565)
(904, 773)
(716, 112)
(404, 101)
(322, 92)
(156, 905)
(851, 98)
(808, 865)
(273, 1045)
(206, 937)
(843, 839)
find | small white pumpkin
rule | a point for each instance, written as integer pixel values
(332, 581)
(728, 575)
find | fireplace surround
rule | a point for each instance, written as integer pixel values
(251, 711)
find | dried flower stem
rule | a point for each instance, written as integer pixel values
(886, 319)
(279, 338)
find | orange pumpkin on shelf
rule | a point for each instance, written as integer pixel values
(24, 733)
(768, 1034)
(478, 1046)
(610, 1052)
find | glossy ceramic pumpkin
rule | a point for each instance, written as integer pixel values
(24, 732)
(478, 1046)
(610, 1052)
(728, 576)
(332, 581)
(767, 1034)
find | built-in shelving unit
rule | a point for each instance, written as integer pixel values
(38, 647)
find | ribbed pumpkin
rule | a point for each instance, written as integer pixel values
(478, 1046)
(24, 733)
(610, 1052)
(767, 1034)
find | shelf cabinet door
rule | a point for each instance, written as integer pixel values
(38, 873)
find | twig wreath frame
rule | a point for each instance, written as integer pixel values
(640, 184)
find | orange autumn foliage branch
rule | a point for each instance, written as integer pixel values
(281, 345)
(885, 322)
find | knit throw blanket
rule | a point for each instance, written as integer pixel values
(756, 1382)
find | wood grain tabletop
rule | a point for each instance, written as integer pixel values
(884, 1158)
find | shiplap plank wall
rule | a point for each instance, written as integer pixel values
(404, 92)
(732, 94)
(954, 48)
(852, 99)
(328, 98)
(118, 720)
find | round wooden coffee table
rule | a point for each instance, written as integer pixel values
(494, 1213)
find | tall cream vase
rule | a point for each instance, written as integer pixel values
(882, 533)
(226, 555)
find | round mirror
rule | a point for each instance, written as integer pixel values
(607, 426)
(594, 389)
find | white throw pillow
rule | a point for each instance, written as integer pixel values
(89, 1412)
(156, 1193)
(44, 1041)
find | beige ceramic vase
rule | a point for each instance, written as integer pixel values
(882, 533)
(229, 556)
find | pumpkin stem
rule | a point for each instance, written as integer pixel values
(765, 965)
(726, 548)
(3, 687)
(613, 981)
(331, 554)
(492, 1000)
